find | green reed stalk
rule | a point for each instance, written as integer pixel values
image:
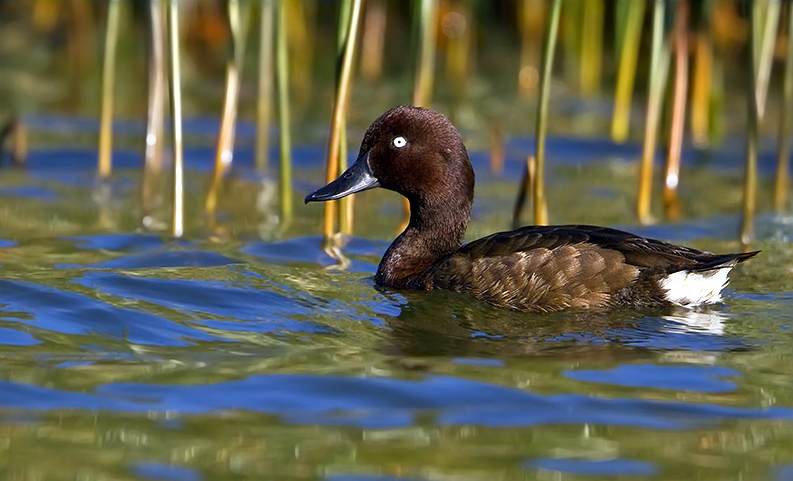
(591, 47)
(175, 86)
(349, 24)
(659, 67)
(285, 138)
(752, 141)
(702, 79)
(766, 24)
(426, 22)
(108, 80)
(535, 165)
(629, 54)
(265, 86)
(782, 180)
(549, 47)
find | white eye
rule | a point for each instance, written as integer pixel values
(399, 142)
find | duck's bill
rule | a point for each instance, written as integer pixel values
(357, 178)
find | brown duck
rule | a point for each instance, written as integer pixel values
(418, 153)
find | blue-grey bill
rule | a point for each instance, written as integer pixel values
(357, 178)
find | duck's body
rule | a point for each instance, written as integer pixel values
(418, 153)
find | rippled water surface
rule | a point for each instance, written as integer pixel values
(243, 354)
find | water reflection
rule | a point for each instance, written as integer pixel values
(451, 324)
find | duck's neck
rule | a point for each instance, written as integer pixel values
(436, 229)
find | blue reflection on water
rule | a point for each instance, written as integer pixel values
(158, 471)
(55, 310)
(15, 337)
(28, 191)
(609, 467)
(683, 378)
(383, 402)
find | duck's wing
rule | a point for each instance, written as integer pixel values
(547, 268)
(638, 251)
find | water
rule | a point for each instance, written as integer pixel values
(242, 354)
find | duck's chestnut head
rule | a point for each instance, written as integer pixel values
(411, 150)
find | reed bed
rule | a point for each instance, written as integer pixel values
(630, 70)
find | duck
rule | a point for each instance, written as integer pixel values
(418, 153)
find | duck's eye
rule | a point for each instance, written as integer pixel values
(399, 142)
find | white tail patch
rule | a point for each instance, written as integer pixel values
(689, 289)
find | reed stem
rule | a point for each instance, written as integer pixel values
(750, 173)
(373, 42)
(629, 54)
(224, 154)
(427, 24)
(701, 88)
(108, 81)
(265, 85)
(285, 137)
(677, 118)
(177, 227)
(659, 67)
(549, 47)
(337, 149)
(156, 110)
(768, 24)
(782, 180)
(591, 47)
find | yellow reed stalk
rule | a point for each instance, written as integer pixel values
(591, 47)
(549, 46)
(678, 117)
(659, 66)
(285, 134)
(373, 41)
(782, 180)
(629, 53)
(766, 22)
(531, 15)
(108, 80)
(427, 23)
(336, 147)
(300, 16)
(701, 89)
(224, 154)
(750, 174)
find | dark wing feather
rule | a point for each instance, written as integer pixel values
(638, 251)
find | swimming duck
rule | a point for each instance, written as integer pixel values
(419, 154)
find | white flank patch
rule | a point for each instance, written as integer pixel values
(691, 289)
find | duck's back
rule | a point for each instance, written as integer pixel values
(550, 268)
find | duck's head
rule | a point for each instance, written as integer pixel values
(413, 151)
